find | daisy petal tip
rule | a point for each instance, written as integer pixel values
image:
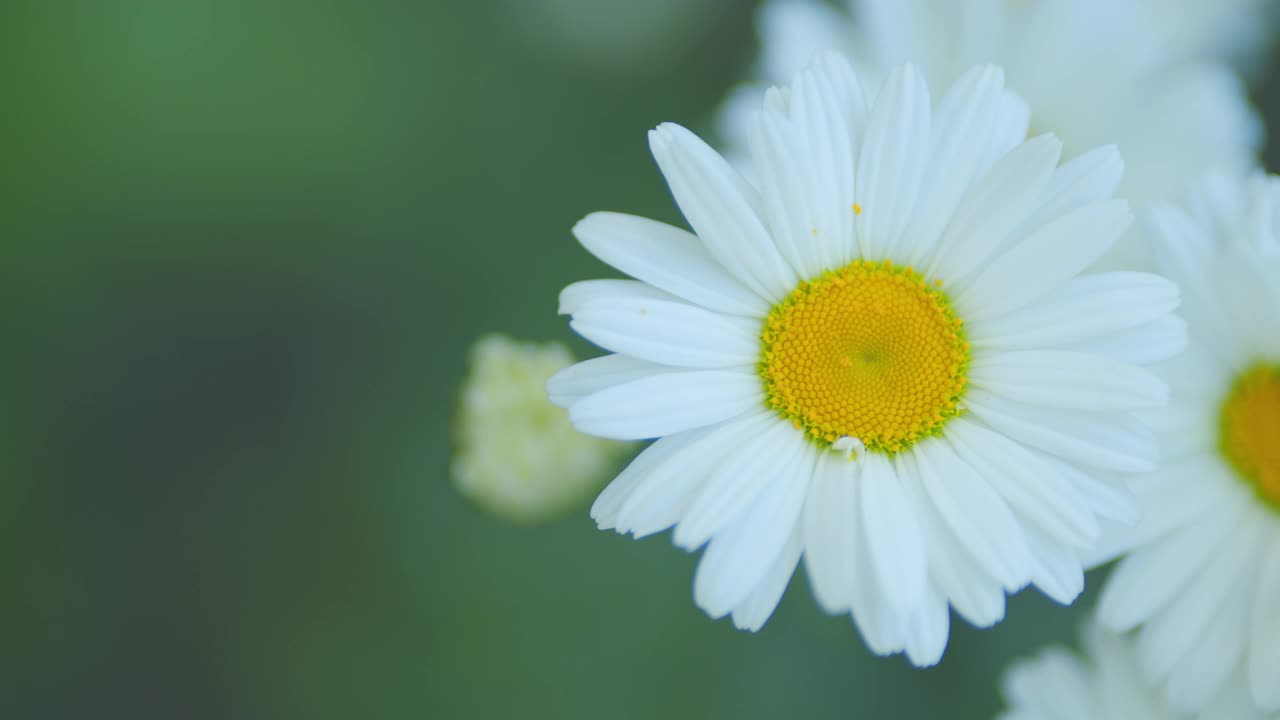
(1050, 144)
(685, 539)
(993, 73)
(708, 597)
(660, 141)
(750, 625)
(586, 228)
(1112, 614)
(1110, 154)
(926, 659)
(829, 58)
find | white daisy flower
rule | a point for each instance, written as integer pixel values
(517, 455)
(1106, 684)
(1095, 72)
(885, 359)
(1204, 581)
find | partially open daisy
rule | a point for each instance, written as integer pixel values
(1204, 581)
(1095, 72)
(884, 358)
(1106, 684)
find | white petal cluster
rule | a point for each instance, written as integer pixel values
(1012, 492)
(1203, 578)
(517, 456)
(1106, 684)
(1094, 72)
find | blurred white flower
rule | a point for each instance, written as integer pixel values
(1094, 72)
(516, 454)
(885, 359)
(1105, 684)
(1204, 580)
(1239, 31)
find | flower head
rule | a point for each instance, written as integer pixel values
(517, 455)
(883, 358)
(1203, 578)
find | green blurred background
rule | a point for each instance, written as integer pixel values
(245, 246)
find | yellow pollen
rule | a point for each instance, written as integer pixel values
(857, 209)
(869, 351)
(1249, 436)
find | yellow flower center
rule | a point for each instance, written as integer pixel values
(871, 352)
(1250, 432)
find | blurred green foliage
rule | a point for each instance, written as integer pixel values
(245, 247)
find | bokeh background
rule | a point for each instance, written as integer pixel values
(245, 247)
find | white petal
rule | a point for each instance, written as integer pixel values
(763, 458)
(1011, 126)
(831, 531)
(1076, 381)
(1181, 247)
(1145, 582)
(1175, 496)
(1085, 179)
(1045, 261)
(667, 403)
(828, 108)
(716, 202)
(1108, 441)
(590, 376)
(1175, 631)
(928, 630)
(1235, 701)
(892, 162)
(975, 513)
(879, 617)
(1264, 639)
(739, 558)
(1056, 685)
(753, 612)
(1087, 306)
(1055, 568)
(1105, 493)
(960, 137)
(976, 596)
(1201, 673)
(1157, 341)
(668, 258)
(882, 625)
(650, 474)
(573, 297)
(667, 332)
(667, 482)
(1037, 494)
(993, 207)
(892, 532)
(790, 201)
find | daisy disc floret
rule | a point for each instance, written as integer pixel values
(880, 357)
(1201, 582)
(868, 352)
(1250, 435)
